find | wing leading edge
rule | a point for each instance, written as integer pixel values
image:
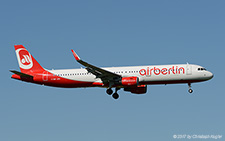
(106, 76)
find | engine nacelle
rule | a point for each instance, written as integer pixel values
(141, 89)
(130, 81)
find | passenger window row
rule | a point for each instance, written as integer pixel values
(72, 74)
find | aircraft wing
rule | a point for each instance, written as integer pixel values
(104, 75)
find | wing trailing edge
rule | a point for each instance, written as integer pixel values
(105, 75)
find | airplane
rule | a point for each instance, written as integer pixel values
(133, 79)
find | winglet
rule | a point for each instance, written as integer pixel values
(75, 55)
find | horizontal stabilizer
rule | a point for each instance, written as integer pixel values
(21, 74)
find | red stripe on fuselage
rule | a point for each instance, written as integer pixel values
(169, 82)
(50, 79)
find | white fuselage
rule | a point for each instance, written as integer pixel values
(159, 74)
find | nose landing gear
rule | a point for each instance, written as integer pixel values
(190, 90)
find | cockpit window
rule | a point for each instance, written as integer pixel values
(201, 69)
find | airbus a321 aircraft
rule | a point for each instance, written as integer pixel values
(133, 79)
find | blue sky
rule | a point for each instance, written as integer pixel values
(112, 33)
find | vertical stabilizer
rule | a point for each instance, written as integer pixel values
(26, 61)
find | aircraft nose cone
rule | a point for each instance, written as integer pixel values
(210, 75)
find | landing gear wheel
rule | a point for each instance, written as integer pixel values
(109, 91)
(190, 91)
(115, 96)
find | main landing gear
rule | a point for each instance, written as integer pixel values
(109, 91)
(190, 90)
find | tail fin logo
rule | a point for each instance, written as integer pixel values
(24, 58)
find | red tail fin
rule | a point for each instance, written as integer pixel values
(26, 61)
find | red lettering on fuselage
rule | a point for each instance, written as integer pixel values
(142, 72)
(156, 71)
(163, 71)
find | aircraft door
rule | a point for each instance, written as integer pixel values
(189, 69)
(45, 76)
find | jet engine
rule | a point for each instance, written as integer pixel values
(141, 89)
(130, 81)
